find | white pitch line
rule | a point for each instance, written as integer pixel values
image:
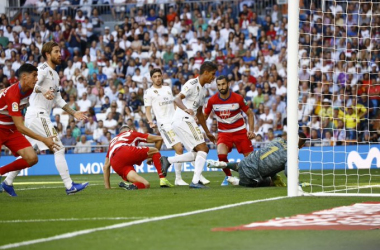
(73, 219)
(131, 223)
(24, 189)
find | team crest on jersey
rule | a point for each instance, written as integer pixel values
(51, 74)
(15, 107)
(155, 91)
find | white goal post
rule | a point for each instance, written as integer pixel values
(342, 155)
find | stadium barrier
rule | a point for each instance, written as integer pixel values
(343, 157)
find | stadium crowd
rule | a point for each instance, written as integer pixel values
(105, 70)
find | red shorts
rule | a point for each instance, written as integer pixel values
(240, 139)
(125, 157)
(14, 140)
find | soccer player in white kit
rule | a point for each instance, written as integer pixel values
(160, 98)
(46, 94)
(190, 102)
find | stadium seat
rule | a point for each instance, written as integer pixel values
(89, 137)
(82, 130)
(97, 109)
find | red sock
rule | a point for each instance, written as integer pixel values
(139, 185)
(16, 165)
(157, 164)
(224, 158)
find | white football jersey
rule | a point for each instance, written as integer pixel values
(162, 102)
(47, 79)
(195, 96)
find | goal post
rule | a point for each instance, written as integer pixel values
(333, 49)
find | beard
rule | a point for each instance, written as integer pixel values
(223, 91)
(56, 61)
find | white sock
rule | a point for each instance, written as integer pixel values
(200, 161)
(178, 168)
(11, 176)
(61, 164)
(189, 156)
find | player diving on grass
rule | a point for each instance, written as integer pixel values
(47, 94)
(260, 168)
(12, 125)
(124, 152)
(190, 103)
(160, 99)
(228, 107)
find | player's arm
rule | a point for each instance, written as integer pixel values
(79, 115)
(48, 93)
(156, 139)
(251, 122)
(202, 121)
(178, 101)
(48, 141)
(106, 173)
(148, 112)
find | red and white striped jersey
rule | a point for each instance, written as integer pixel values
(128, 138)
(11, 101)
(228, 112)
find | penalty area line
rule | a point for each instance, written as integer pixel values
(131, 223)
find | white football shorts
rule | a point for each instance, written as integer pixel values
(188, 132)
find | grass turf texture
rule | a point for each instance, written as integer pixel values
(191, 232)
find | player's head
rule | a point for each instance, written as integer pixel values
(301, 140)
(52, 52)
(156, 75)
(222, 84)
(124, 128)
(27, 74)
(208, 70)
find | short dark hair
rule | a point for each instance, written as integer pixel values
(221, 77)
(155, 71)
(26, 68)
(47, 48)
(208, 66)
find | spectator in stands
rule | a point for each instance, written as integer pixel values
(84, 104)
(82, 146)
(90, 126)
(110, 123)
(68, 140)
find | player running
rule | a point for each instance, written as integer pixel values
(160, 99)
(12, 100)
(124, 152)
(189, 103)
(47, 94)
(228, 107)
(260, 168)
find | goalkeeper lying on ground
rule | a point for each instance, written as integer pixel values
(260, 168)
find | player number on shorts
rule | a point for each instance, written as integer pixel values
(272, 150)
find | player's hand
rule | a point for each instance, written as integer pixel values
(80, 115)
(211, 137)
(50, 142)
(149, 161)
(251, 135)
(152, 125)
(49, 94)
(189, 111)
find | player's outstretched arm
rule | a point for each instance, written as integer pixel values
(156, 139)
(251, 122)
(48, 93)
(178, 101)
(202, 121)
(48, 141)
(106, 173)
(148, 112)
(79, 115)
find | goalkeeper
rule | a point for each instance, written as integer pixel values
(260, 168)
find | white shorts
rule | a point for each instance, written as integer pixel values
(40, 123)
(168, 135)
(188, 132)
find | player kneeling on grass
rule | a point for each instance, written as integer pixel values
(260, 168)
(124, 152)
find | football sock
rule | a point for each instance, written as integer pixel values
(157, 164)
(10, 177)
(200, 161)
(139, 185)
(14, 166)
(61, 164)
(224, 158)
(189, 156)
(178, 168)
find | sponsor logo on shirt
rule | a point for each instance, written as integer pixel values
(15, 107)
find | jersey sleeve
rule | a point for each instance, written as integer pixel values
(41, 74)
(188, 89)
(59, 100)
(208, 107)
(147, 99)
(243, 105)
(142, 137)
(12, 100)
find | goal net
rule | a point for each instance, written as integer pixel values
(339, 97)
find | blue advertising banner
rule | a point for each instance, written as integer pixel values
(314, 158)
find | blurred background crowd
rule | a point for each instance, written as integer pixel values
(108, 48)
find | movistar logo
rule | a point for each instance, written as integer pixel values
(355, 158)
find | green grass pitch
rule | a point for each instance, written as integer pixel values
(44, 210)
